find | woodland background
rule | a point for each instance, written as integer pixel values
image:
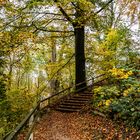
(37, 51)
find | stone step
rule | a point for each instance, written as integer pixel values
(67, 110)
(79, 99)
(75, 101)
(69, 106)
(85, 94)
(71, 103)
(84, 97)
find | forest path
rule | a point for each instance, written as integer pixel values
(79, 126)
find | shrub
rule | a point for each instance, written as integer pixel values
(121, 98)
(17, 104)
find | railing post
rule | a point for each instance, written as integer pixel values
(31, 136)
(48, 102)
(38, 110)
(93, 81)
(31, 120)
(48, 105)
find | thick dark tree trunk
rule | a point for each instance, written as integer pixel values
(78, 24)
(80, 72)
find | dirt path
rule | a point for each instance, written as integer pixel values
(76, 126)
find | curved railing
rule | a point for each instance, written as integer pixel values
(33, 115)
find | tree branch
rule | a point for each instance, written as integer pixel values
(103, 7)
(44, 87)
(62, 66)
(61, 36)
(47, 30)
(46, 13)
(63, 12)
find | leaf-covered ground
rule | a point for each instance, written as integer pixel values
(80, 126)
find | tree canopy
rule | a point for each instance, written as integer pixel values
(49, 45)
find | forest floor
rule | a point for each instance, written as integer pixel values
(81, 126)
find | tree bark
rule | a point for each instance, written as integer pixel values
(54, 83)
(80, 71)
(78, 24)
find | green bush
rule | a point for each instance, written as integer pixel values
(128, 109)
(103, 96)
(14, 108)
(121, 101)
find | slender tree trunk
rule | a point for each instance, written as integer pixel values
(53, 60)
(80, 73)
(10, 77)
(18, 77)
(54, 82)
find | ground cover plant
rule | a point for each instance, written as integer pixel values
(121, 98)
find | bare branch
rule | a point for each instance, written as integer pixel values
(103, 7)
(46, 13)
(64, 13)
(62, 66)
(7, 24)
(61, 36)
(48, 30)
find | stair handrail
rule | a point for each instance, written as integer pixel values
(71, 87)
(13, 135)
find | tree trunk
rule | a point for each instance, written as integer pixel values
(10, 77)
(54, 83)
(80, 72)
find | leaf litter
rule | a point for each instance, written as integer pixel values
(81, 126)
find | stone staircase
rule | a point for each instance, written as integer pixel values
(74, 103)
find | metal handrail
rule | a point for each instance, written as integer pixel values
(16, 131)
